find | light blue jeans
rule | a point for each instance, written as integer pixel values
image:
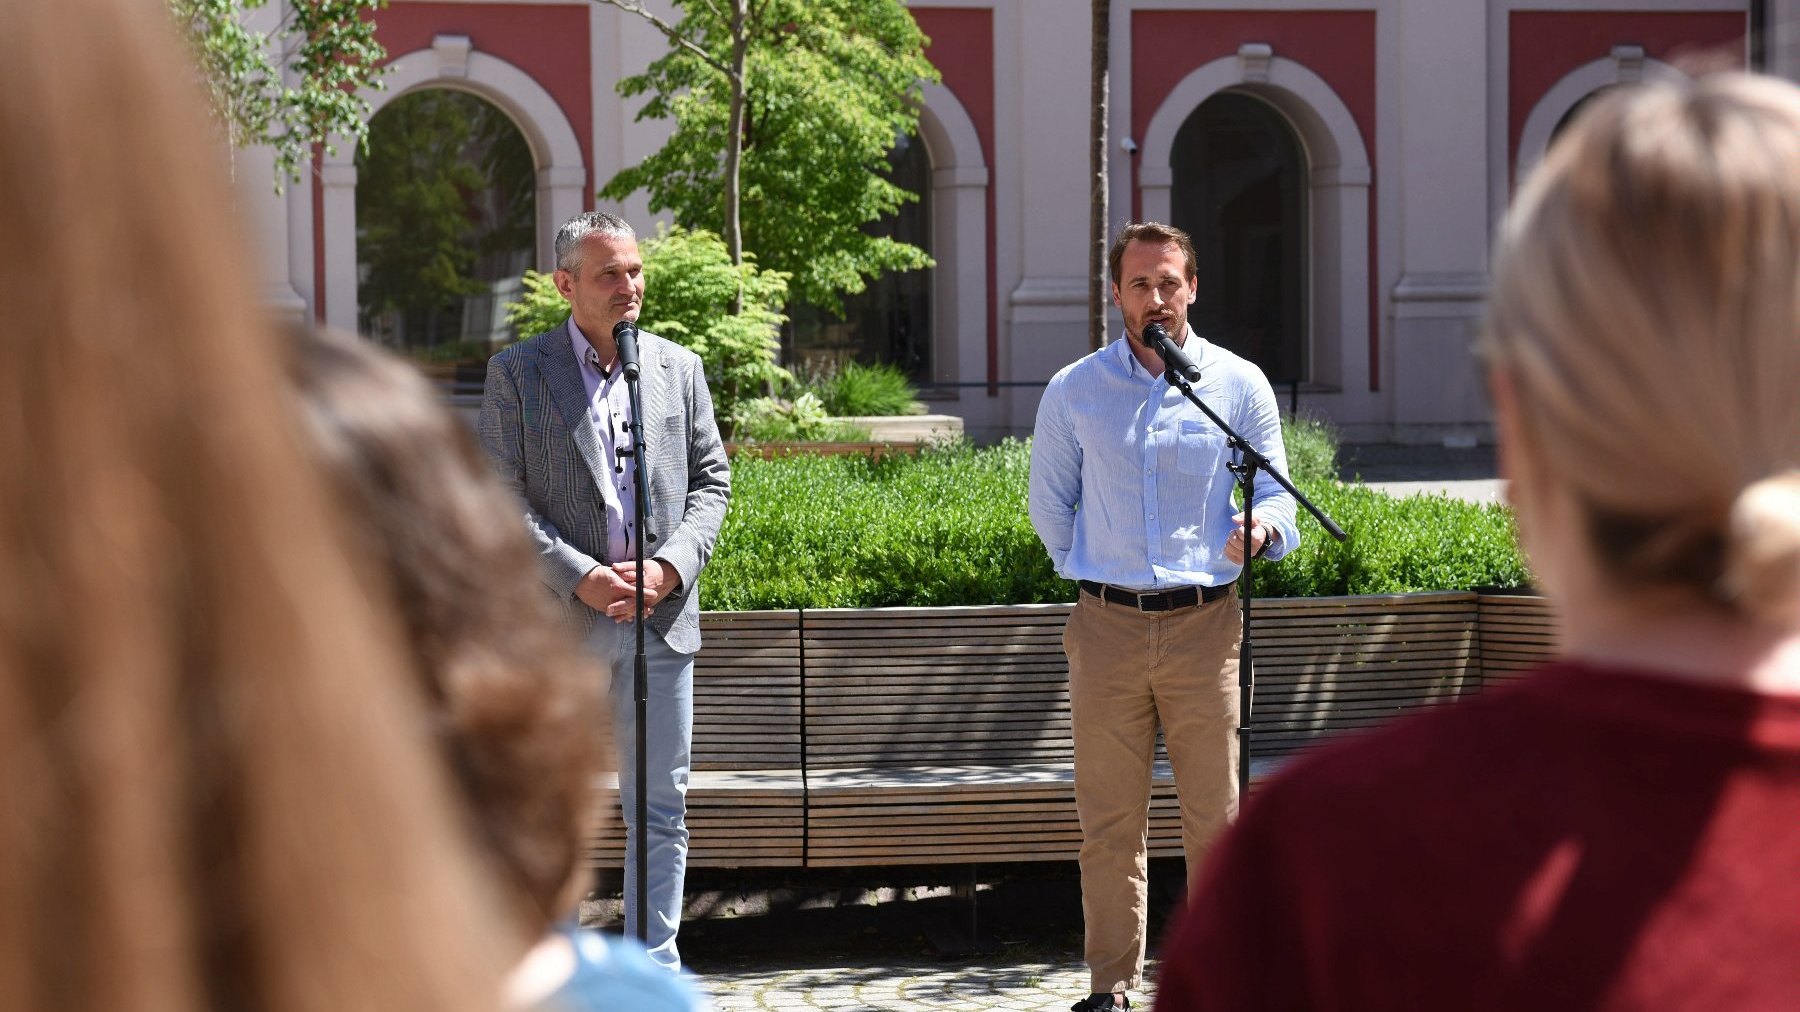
(668, 736)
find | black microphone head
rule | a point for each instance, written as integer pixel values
(625, 334)
(1174, 359)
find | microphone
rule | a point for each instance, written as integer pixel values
(1173, 357)
(625, 337)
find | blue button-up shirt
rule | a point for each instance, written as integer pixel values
(1129, 484)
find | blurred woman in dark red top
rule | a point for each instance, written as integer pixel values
(1621, 830)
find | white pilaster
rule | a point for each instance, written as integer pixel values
(1444, 221)
(265, 213)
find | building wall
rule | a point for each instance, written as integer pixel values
(1417, 116)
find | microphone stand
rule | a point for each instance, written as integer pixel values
(640, 666)
(1250, 460)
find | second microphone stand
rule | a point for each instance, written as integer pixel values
(1250, 460)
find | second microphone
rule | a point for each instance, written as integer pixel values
(1177, 361)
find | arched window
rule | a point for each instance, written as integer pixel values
(446, 223)
(1240, 192)
(890, 321)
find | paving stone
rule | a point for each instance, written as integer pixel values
(1024, 987)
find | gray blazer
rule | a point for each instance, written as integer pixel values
(533, 424)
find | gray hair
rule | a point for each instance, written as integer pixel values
(568, 238)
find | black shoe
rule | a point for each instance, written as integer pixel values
(1100, 1002)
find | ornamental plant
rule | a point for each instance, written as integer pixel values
(689, 281)
(949, 527)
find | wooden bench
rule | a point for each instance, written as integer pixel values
(1329, 665)
(746, 791)
(1517, 633)
(941, 735)
(891, 736)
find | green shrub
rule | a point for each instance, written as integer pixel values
(853, 389)
(1312, 449)
(774, 420)
(540, 309)
(950, 527)
(1422, 542)
(689, 282)
(945, 527)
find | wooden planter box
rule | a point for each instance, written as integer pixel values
(888, 736)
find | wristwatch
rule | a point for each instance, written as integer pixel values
(1269, 539)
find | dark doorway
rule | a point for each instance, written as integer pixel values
(1240, 192)
(446, 222)
(890, 321)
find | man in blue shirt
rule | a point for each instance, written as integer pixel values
(1131, 495)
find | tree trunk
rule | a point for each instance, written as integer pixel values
(734, 143)
(1098, 213)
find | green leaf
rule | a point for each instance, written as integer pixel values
(830, 85)
(329, 48)
(950, 527)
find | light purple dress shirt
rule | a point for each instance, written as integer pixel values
(609, 409)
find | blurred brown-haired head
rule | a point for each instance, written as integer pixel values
(1646, 308)
(518, 706)
(213, 793)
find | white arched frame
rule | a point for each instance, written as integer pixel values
(452, 63)
(1625, 65)
(959, 189)
(1338, 183)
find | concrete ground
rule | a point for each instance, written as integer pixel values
(892, 940)
(1468, 473)
(889, 940)
(1006, 983)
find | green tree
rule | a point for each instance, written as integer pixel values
(812, 93)
(327, 45)
(688, 276)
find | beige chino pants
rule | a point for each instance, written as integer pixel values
(1128, 670)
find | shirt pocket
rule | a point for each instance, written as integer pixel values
(1200, 451)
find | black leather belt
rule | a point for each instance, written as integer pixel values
(1156, 600)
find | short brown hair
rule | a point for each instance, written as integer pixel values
(1158, 233)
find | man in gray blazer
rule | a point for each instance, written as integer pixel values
(554, 418)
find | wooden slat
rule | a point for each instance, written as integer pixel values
(1517, 633)
(942, 734)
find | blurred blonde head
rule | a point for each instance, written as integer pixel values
(213, 792)
(1646, 319)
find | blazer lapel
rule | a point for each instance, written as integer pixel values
(666, 446)
(563, 374)
(653, 389)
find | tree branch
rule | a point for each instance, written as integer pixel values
(674, 35)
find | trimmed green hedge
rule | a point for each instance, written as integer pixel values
(949, 527)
